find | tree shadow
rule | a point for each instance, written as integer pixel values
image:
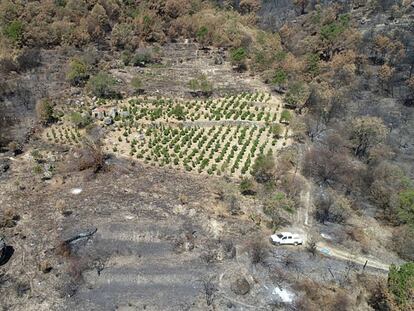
(7, 254)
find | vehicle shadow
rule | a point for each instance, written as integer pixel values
(7, 254)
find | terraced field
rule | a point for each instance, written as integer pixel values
(216, 137)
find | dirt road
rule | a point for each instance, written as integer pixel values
(330, 251)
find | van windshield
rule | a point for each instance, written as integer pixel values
(280, 236)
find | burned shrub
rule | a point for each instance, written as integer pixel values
(331, 208)
(258, 252)
(29, 59)
(233, 205)
(7, 65)
(91, 156)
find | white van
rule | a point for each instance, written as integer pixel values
(286, 238)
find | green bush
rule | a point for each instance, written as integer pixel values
(312, 65)
(279, 77)
(78, 73)
(14, 31)
(406, 208)
(103, 85)
(141, 59)
(264, 167)
(44, 112)
(401, 284)
(201, 83)
(331, 31)
(247, 186)
(136, 84)
(201, 34)
(276, 130)
(285, 116)
(238, 55)
(297, 94)
(80, 120)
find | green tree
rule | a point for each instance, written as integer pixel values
(313, 64)
(297, 94)
(264, 167)
(80, 120)
(103, 85)
(401, 284)
(331, 32)
(367, 132)
(406, 209)
(78, 72)
(44, 112)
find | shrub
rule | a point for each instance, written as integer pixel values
(285, 116)
(14, 31)
(136, 84)
(258, 252)
(28, 59)
(141, 59)
(103, 85)
(401, 283)
(276, 130)
(247, 187)
(330, 32)
(279, 77)
(80, 120)
(44, 112)
(263, 167)
(297, 95)
(77, 74)
(201, 34)
(238, 55)
(201, 84)
(406, 209)
(91, 156)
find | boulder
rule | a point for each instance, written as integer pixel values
(4, 166)
(108, 121)
(240, 286)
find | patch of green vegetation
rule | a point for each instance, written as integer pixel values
(247, 186)
(406, 209)
(78, 72)
(331, 31)
(285, 116)
(296, 94)
(238, 55)
(202, 33)
(280, 76)
(263, 167)
(401, 283)
(201, 83)
(14, 31)
(103, 85)
(141, 59)
(312, 64)
(80, 120)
